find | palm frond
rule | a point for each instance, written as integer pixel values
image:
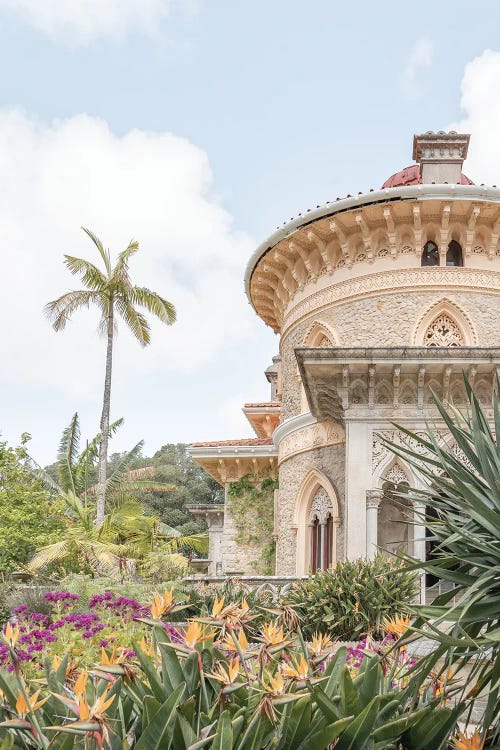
(134, 320)
(115, 481)
(89, 455)
(60, 310)
(91, 276)
(153, 303)
(102, 252)
(68, 454)
(51, 553)
(120, 271)
(195, 542)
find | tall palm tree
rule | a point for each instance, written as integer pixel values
(113, 293)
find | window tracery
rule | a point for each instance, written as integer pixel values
(396, 475)
(321, 525)
(443, 331)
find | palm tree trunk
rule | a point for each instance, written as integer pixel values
(103, 445)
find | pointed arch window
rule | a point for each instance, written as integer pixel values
(430, 254)
(321, 530)
(454, 255)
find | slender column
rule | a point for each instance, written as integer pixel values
(419, 543)
(373, 500)
(323, 545)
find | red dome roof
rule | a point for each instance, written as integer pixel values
(411, 176)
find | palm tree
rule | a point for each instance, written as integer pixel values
(126, 544)
(128, 541)
(113, 293)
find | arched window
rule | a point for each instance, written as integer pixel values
(430, 254)
(321, 529)
(454, 254)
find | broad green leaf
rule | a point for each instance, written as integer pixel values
(155, 733)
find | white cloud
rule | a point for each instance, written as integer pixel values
(419, 61)
(83, 20)
(480, 102)
(154, 187)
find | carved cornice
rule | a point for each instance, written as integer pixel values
(370, 382)
(367, 231)
(393, 282)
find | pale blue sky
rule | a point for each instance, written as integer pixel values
(292, 103)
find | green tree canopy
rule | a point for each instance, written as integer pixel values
(190, 485)
(31, 517)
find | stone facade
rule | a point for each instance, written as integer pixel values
(330, 462)
(376, 299)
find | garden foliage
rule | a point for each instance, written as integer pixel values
(463, 489)
(353, 598)
(208, 687)
(31, 517)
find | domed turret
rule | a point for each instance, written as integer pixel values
(411, 176)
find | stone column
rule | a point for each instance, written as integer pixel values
(373, 500)
(322, 531)
(358, 478)
(419, 543)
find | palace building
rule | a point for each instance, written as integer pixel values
(376, 298)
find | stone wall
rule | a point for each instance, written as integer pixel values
(238, 558)
(385, 320)
(330, 461)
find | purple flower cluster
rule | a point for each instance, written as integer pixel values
(123, 606)
(63, 598)
(356, 654)
(38, 631)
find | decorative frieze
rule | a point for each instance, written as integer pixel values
(307, 438)
(393, 281)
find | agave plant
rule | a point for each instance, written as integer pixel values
(463, 488)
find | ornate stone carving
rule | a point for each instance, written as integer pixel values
(393, 281)
(443, 331)
(321, 507)
(460, 455)
(380, 452)
(395, 475)
(374, 498)
(313, 436)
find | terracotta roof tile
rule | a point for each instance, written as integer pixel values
(252, 405)
(228, 443)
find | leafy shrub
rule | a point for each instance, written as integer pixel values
(352, 599)
(207, 688)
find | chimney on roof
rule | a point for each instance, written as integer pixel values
(440, 155)
(273, 376)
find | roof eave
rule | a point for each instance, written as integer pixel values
(408, 192)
